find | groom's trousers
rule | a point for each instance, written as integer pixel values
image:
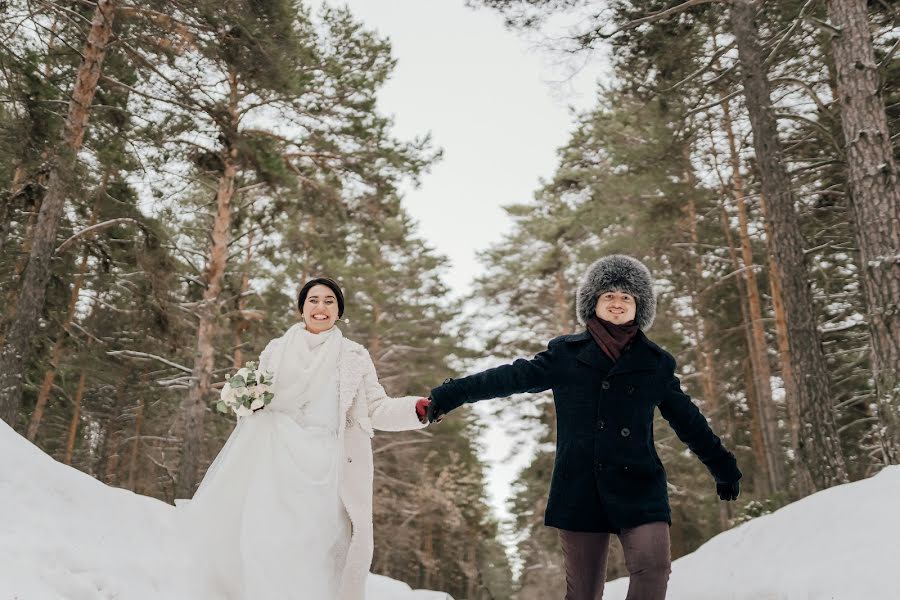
(647, 558)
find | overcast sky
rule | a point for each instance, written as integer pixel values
(489, 101)
(499, 108)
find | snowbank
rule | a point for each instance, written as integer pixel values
(66, 536)
(842, 543)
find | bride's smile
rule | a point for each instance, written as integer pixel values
(320, 310)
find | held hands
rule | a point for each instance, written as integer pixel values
(728, 491)
(422, 409)
(434, 414)
(428, 411)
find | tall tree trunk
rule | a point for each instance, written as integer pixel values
(6, 203)
(136, 444)
(56, 354)
(241, 322)
(762, 478)
(12, 295)
(193, 410)
(108, 473)
(819, 443)
(472, 577)
(875, 200)
(75, 421)
(802, 482)
(18, 180)
(702, 331)
(23, 328)
(373, 341)
(565, 316)
(759, 358)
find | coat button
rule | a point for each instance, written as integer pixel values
(601, 424)
(349, 459)
(599, 466)
(625, 432)
(448, 380)
(630, 389)
(605, 385)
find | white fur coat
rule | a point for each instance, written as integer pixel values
(364, 407)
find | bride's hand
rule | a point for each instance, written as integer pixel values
(422, 409)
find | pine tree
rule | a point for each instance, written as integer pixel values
(17, 342)
(260, 61)
(875, 198)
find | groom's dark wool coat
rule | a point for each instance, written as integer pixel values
(607, 475)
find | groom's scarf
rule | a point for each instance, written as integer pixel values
(305, 364)
(612, 338)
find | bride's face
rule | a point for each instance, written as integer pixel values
(320, 311)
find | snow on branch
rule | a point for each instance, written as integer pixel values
(654, 16)
(146, 355)
(94, 229)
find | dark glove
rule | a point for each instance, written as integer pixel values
(434, 414)
(728, 491)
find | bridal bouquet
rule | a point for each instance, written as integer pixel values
(246, 391)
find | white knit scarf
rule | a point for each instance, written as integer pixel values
(304, 364)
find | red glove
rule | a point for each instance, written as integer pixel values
(422, 408)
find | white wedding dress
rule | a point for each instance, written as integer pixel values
(267, 522)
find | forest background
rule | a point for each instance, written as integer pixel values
(170, 174)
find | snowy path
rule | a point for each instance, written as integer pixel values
(66, 536)
(840, 544)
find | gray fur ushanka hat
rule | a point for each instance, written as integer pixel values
(620, 273)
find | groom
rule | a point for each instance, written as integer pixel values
(607, 381)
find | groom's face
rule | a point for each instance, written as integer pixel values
(320, 310)
(616, 307)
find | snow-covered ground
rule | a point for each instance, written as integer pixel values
(66, 536)
(840, 544)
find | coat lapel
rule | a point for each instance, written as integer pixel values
(639, 356)
(594, 357)
(590, 354)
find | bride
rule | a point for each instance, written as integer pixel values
(285, 510)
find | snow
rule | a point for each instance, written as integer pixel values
(842, 543)
(67, 536)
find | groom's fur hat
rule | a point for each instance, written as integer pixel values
(617, 273)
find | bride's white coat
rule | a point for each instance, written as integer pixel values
(364, 407)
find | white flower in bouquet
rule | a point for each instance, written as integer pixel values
(245, 392)
(227, 394)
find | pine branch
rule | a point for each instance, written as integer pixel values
(711, 63)
(148, 356)
(789, 33)
(142, 94)
(714, 103)
(95, 229)
(806, 87)
(652, 17)
(890, 55)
